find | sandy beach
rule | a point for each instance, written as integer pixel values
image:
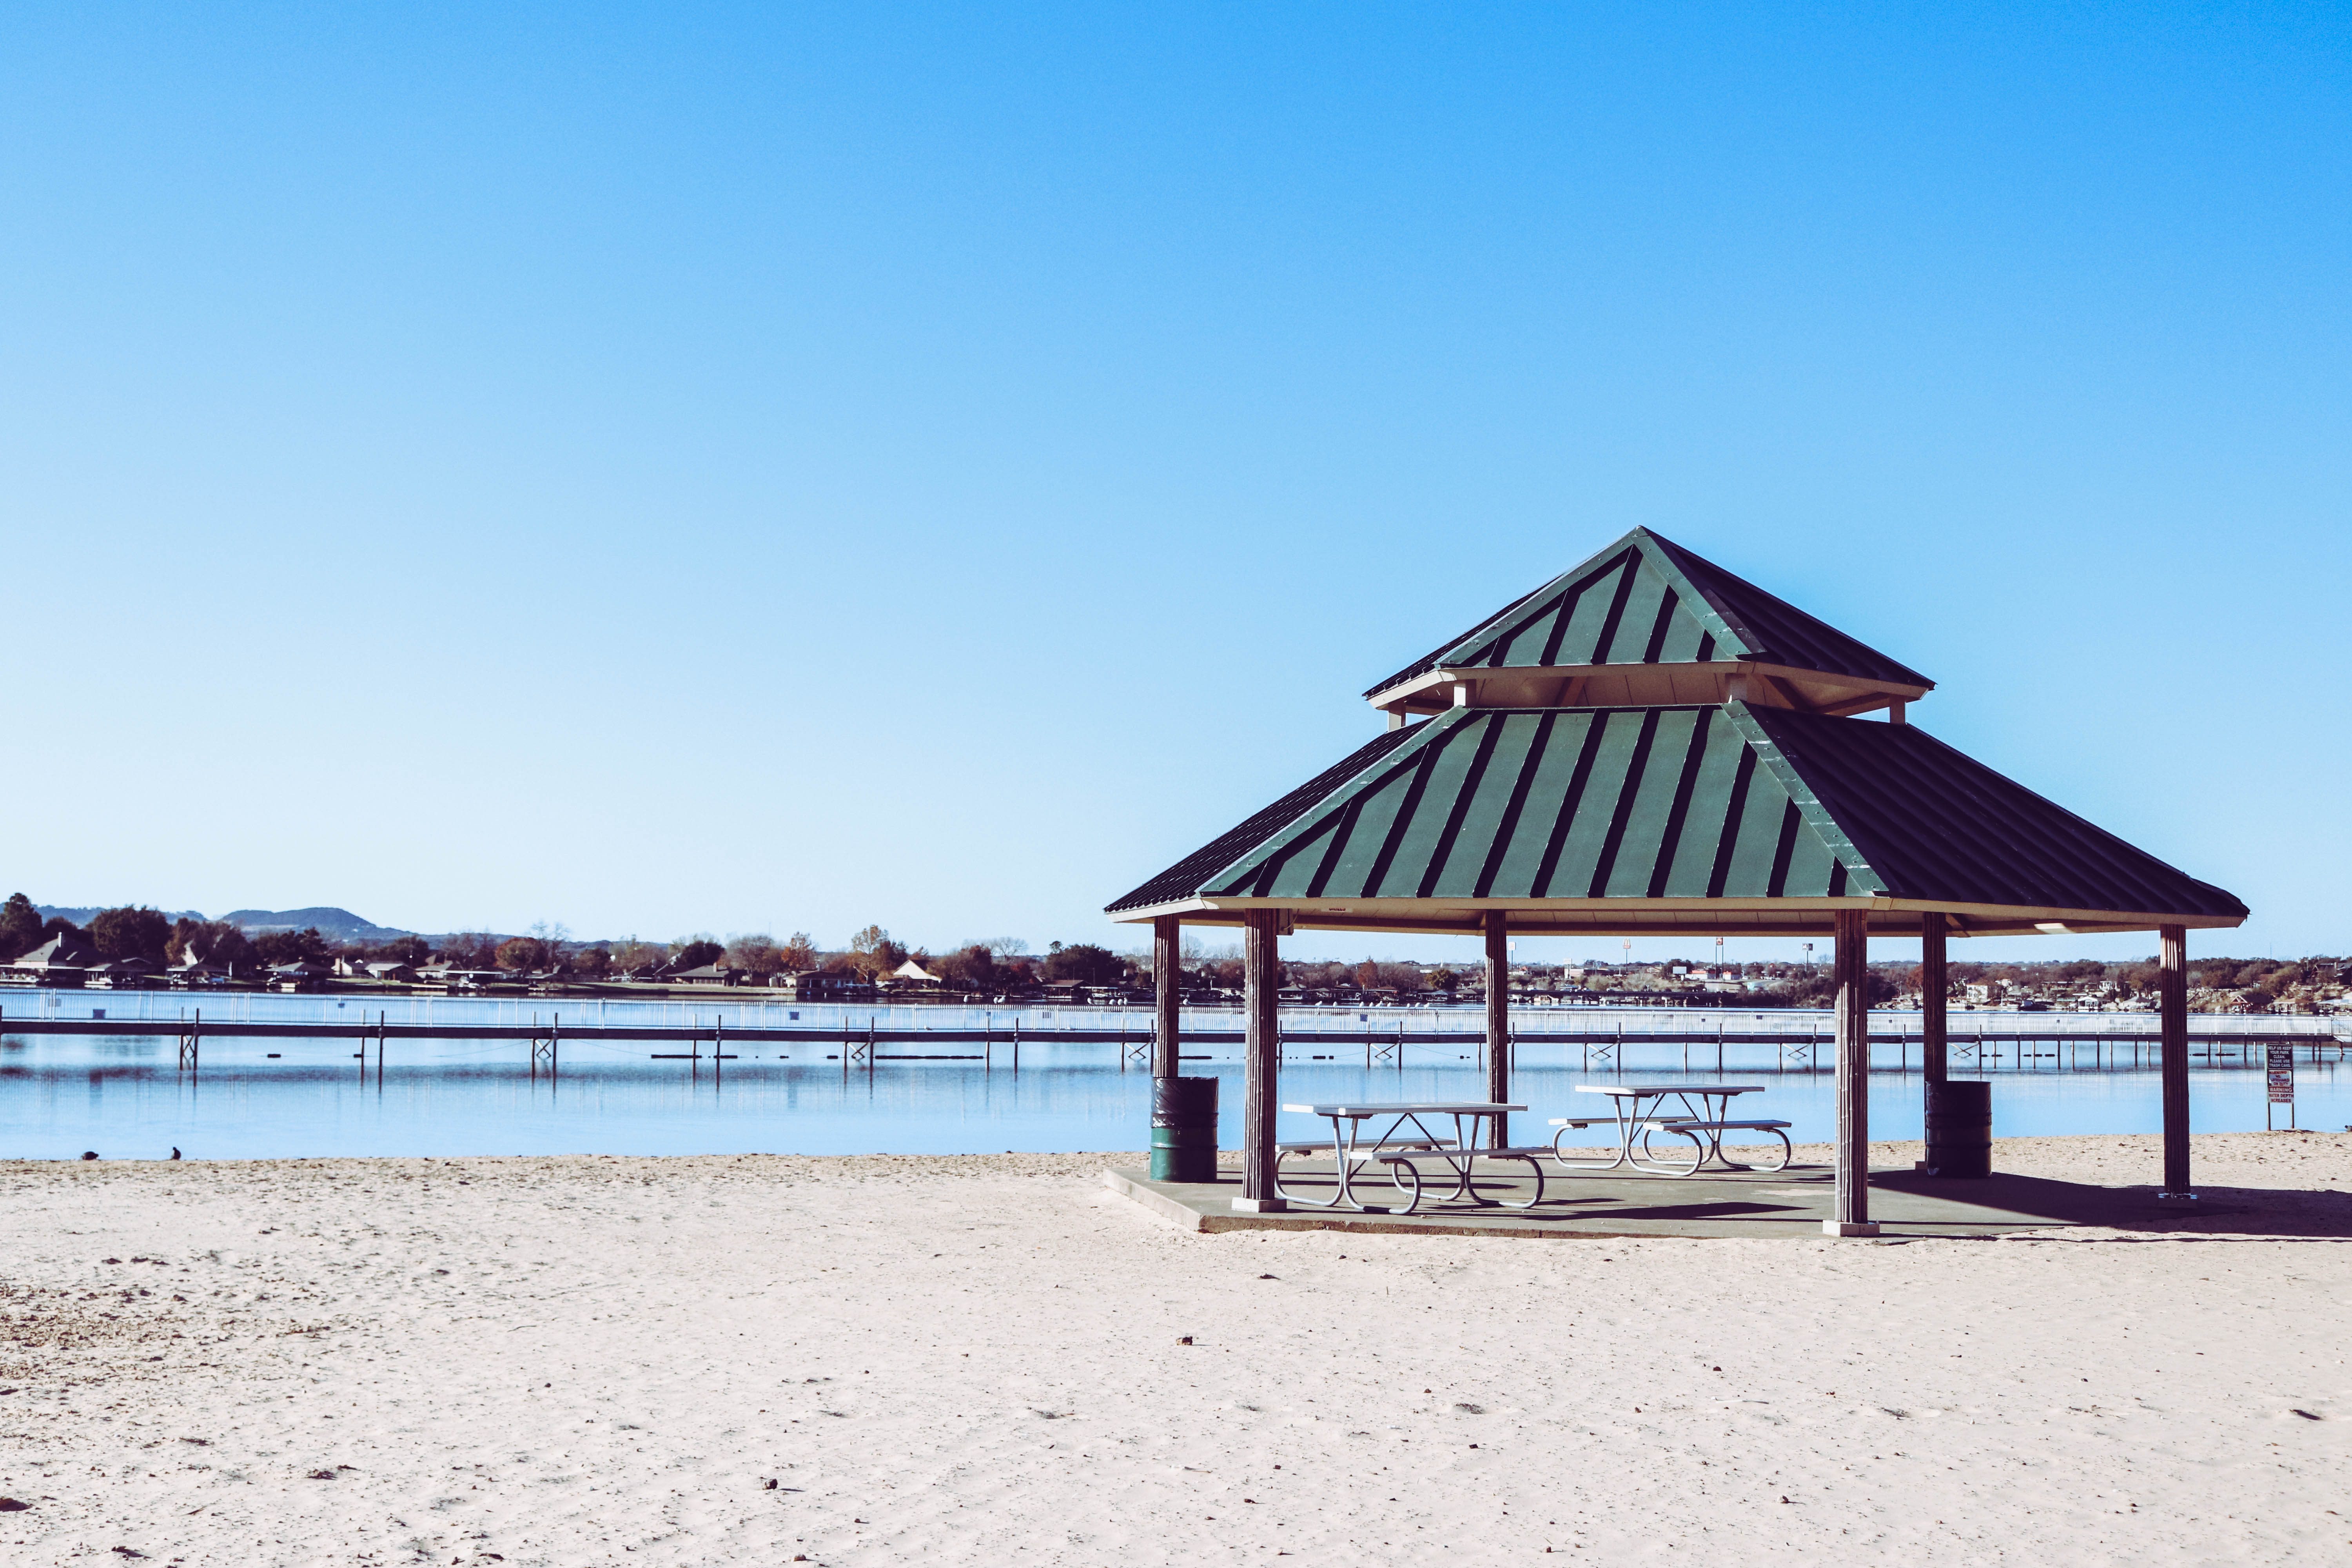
(891, 1360)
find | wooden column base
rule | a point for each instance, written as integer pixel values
(1260, 1205)
(1849, 1228)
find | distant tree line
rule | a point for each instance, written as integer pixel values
(135, 931)
(1005, 963)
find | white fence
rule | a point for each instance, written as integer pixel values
(1344, 1024)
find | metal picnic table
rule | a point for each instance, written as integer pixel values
(1703, 1123)
(1400, 1150)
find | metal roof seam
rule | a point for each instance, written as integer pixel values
(1194, 870)
(1938, 788)
(1308, 825)
(1772, 754)
(1530, 766)
(2128, 861)
(1587, 754)
(2013, 866)
(1956, 795)
(1895, 868)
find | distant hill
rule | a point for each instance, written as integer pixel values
(335, 924)
(340, 925)
(83, 917)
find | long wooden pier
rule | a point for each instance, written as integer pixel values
(860, 1046)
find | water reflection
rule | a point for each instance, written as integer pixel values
(486, 1097)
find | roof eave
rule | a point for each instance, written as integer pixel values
(1689, 917)
(1432, 689)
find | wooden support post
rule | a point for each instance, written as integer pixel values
(1850, 962)
(1167, 995)
(1261, 1051)
(2172, 1009)
(1499, 1019)
(1932, 985)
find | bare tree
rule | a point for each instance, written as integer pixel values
(874, 953)
(635, 954)
(755, 952)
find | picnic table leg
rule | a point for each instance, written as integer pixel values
(1343, 1150)
(1466, 1152)
(1722, 1104)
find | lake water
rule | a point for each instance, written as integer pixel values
(124, 1097)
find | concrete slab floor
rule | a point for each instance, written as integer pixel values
(1789, 1204)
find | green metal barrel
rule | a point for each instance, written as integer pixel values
(1960, 1128)
(1183, 1129)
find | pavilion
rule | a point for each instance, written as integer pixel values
(1650, 745)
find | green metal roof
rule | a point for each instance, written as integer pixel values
(1625, 818)
(1646, 600)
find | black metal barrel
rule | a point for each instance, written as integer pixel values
(1183, 1129)
(1960, 1128)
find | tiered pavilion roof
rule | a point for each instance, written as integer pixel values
(1649, 744)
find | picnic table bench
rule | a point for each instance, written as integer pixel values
(1703, 1123)
(1402, 1148)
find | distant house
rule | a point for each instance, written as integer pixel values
(708, 974)
(62, 962)
(385, 969)
(911, 971)
(297, 976)
(198, 972)
(457, 979)
(818, 986)
(120, 974)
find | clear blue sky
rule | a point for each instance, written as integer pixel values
(692, 467)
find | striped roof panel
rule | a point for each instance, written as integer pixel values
(1646, 600)
(1727, 801)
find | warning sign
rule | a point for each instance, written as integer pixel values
(2280, 1060)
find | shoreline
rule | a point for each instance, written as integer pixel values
(1884, 1153)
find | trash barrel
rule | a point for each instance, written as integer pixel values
(1960, 1128)
(1183, 1129)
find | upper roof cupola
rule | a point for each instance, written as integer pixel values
(1646, 623)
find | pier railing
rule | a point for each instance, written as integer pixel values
(1591, 1038)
